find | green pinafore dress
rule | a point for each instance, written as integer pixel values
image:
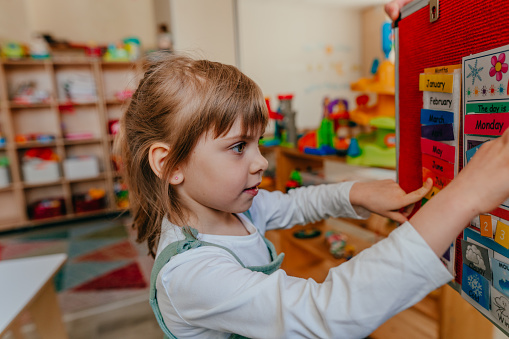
(191, 242)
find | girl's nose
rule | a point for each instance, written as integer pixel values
(259, 163)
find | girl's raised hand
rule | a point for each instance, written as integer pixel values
(387, 198)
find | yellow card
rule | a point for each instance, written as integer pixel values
(486, 226)
(432, 193)
(502, 234)
(442, 69)
(436, 82)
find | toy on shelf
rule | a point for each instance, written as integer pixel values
(376, 147)
(13, 50)
(117, 52)
(121, 194)
(38, 47)
(294, 181)
(124, 94)
(46, 208)
(40, 165)
(93, 200)
(27, 93)
(338, 246)
(333, 135)
(4, 171)
(40, 138)
(285, 133)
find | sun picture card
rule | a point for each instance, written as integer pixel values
(477, 258)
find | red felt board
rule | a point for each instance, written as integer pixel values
(463, 28)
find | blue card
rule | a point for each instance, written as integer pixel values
(476, 287)
(433, 117)
(500, 276)
(470, 153)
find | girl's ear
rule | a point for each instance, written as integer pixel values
(157, 155)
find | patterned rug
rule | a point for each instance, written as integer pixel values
(104, 263)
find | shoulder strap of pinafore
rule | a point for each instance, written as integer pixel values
(188, 243)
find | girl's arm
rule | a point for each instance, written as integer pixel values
(480, 187)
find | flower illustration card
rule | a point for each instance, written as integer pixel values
(476, 287)
(476, 257)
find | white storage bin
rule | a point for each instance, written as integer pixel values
(37, 171)
(81, 167)
(4, 176)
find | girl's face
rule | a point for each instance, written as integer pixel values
(223, 174)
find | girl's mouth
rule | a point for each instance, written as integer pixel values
(252, 190)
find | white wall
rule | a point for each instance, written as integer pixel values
(309, 49)
(81, 21)
(14, 24)
(204, 28)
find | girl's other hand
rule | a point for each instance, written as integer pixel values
(483, 184)
(387, 198)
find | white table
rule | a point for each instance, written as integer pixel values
(27, 285)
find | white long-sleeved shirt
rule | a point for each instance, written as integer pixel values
(205, 293)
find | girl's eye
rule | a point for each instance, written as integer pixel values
(239, 148)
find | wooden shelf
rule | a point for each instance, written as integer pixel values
(46, 118)
(36, 144)
(14, 105)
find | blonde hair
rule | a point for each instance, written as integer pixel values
(177, 101)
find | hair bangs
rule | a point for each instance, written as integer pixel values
(247, 104)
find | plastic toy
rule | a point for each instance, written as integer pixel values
(27, 93)
(376, 147)
(338, 246)
(133, 47)
(121, 195)
(285, 133)
(116, 53)
(13, 50)
(295, 180)
(39, 48)
(333, 135)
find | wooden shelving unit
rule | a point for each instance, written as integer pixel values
(58, 117)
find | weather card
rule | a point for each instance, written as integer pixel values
(500, 276)
(476, 257)
(499, 308)
(476, 287)
(440, 130)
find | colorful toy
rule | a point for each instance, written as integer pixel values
(116, 53)
(285, 133)
(376, 146)
(13, 50)
(333, 135)
(121, 194)
(338, 246)
(27, 93)
(294, 181)
(39, 48)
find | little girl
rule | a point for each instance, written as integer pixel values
(189, 142)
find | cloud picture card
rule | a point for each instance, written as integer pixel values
(477, 258)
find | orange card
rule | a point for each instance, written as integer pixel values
(486, 226)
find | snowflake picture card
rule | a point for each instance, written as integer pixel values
(476, 287)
